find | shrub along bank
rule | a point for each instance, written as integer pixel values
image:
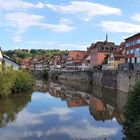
(132, 113)
(12, 81)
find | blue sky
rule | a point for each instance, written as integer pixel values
(66, 24)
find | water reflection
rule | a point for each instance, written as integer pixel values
(41, 85)
(63, 111)
(104, 104)
(9, 107)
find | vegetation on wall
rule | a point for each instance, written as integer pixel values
(12, 81)
(132, 113)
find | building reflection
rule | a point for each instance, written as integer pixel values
(41, 85)
(104, 104)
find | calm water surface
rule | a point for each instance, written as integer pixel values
(66, 111)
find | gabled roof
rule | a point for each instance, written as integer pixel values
(104, 45)
(138, 34)
(7, 57)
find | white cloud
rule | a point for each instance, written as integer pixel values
(40, 5)
(22, 21)
(63, 26)
(59, 45)
(136, 17)
(14, 5)
(71, 46)
(85, 9)
(122, 27)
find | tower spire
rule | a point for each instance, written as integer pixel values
(106, 38)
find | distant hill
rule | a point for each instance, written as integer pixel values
(19, 54)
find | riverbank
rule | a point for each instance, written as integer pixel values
(118, 80)
(15, 81)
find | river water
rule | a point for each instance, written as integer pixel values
(63, 111)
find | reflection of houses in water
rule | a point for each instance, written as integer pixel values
(55, 89)
(72, 97)
(103, 103)
(76, 101)
(97, 108)
(41, 86)
(103, 111)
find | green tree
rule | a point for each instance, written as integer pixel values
(132, 113)
(12, 81)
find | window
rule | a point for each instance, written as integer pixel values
(138, 59)
(135, 42)
(133, 60)
(137, 51)
(132, 51)
(128, 52)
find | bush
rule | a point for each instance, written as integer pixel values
(23, 82)
(132, 113)
(12, 81)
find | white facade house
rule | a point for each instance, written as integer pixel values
(1, 57)
(10, 63)
(7, 61)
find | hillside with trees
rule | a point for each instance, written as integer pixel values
(19, 54)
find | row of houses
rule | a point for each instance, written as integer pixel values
(103, 55)
(100, 55)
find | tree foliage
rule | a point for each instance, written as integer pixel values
(132, 113)
(12, 81)
(17, 55)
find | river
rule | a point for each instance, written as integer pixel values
(63, 111)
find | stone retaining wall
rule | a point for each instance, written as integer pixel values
(120, 80)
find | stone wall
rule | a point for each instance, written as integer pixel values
(127, 79)
(76, 76)
(120, 80)
(106, 79)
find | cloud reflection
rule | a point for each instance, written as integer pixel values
(86, 131)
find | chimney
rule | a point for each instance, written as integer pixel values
(106, 38)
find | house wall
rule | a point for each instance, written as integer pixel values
(1, 57)
(97, 58)
(9, 63)
(76, 55)
(133, 49)
(113, 64)
(100, 58)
